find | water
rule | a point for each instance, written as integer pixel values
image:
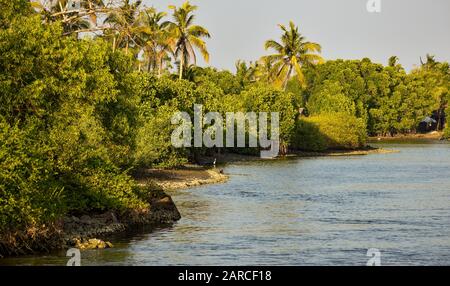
(313, 211)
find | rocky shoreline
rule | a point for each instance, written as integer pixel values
(87, 228)
(84, 232)
(88, 231)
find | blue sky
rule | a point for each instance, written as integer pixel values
(345, 29)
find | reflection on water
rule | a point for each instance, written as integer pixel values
(314, 211)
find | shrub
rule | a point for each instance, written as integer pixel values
(330, 131)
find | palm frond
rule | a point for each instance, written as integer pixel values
(201, 45)
(272, 44)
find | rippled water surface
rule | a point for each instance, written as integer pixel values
(313, 211)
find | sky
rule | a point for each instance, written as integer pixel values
(408, 29)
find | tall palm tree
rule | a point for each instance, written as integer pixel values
(124, 25)
(156, 37)
(430, 63)
(187, 36)
(392, 62)
(291, 54)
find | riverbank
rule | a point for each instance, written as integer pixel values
(280, 213)
(290, 202)
(189, 176)
(83, 231)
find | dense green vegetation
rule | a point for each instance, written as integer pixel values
(79, 114)
(389, 100)
(337, 130)
(62, 140)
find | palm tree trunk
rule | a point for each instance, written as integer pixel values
(288, 76)
(149, 63)
(160, 66)
(181, 66)
(149, 67)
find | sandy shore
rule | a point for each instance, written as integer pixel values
(182, 178)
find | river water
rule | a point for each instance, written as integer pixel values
(307, 211)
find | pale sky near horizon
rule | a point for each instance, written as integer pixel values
(408, 29)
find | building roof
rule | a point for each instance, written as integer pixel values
(429, 120)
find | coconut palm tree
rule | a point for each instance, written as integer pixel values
(291, 54)
(156, 37)
(187, 36)
(124, 25)
(392, 62)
